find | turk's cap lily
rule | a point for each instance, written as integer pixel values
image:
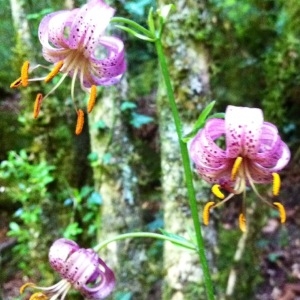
(80, 268)
(77, 38)
(247, 136)
(74, 41)
(252, 153)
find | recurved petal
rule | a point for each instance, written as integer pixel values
(80, 267)
(52, 28)
(103, 284)
(60, 251)
(215, 175)
(113, 64)
(210, 160)
(273, 152)
(203, 148)
(89, 23)
(243, 130)
(52, 35)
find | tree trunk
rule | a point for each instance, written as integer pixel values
(20, 22)
(117, 184)
(188, 64)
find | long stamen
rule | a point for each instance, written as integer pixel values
(37, 105)
(216, 191)
(208, 206)
(254, 187)
(225, 200)
(73, 86)
(276, 184)
(24, 73)
(242, 222)
(80, 121)
(281, 211)
(16, 83)
(92, 99)
(54, 71)
(236, 167)
(56, 86)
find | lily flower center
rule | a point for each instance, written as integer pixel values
(241, 177)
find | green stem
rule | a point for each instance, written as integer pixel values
(176, 241)
(187, 170)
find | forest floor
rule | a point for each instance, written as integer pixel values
(279, 262)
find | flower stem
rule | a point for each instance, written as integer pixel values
(187, 170)
(183, 243)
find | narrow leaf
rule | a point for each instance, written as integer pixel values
(200, 122)
(182, 242)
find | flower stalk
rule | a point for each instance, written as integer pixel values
(187, 170)
(180, 242)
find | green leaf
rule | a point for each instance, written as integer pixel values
(126, 105)
(164, 11)
(123, 296)
(100, 125)
(138, 120)
(72, 231)
(93, 156)
(107, 158)
(201, 121)
(14, 226)
(181, 239)
(136, 34)
(95, 199)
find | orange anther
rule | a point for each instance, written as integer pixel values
(38, 296)
(276, 184)
(80, 121)
(54, 71)
(242, 222)
(16, 83)
(25, 286)
(236, 167)
(24, 73)
(216, 191)
(281, 211)
(92, 99)
(205, 215)
(37, 105)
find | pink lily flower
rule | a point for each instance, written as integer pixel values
(253, 154)
(80, 268)
(74, 41)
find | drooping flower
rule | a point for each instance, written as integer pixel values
(254, 154)
(74, 41)
(80, 268)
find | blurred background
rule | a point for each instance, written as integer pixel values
(124, 174)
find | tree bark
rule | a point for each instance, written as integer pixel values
(20, 22)
(188, 64)
(116, 182)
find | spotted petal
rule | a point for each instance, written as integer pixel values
(210, 160)
(60, 251)
(243, 129)
(77, 38)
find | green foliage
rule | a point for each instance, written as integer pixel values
(85, 204)
(254, 53)
(25, 184)
(203, 117)
(137, 120)
(6, 44)
(30, 180)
